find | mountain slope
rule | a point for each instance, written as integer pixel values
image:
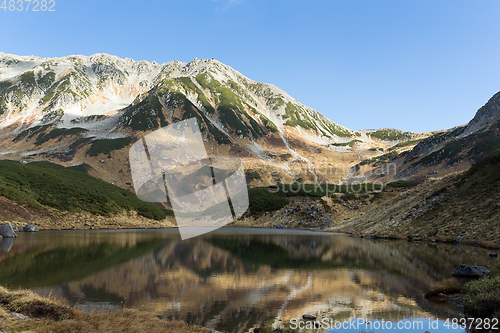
(59, 108)
(443, 153)
(44, 193)
(64, 90)
(465, 205)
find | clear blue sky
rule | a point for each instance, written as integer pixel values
(415, 65)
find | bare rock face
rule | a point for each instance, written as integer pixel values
(6, 231)
(470, 271)
(485, 115)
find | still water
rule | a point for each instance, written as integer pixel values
(235, 279)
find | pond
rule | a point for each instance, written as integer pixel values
(234, 279)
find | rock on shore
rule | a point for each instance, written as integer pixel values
(470, 271)
(6, 231)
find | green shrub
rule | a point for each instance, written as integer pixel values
(106, 146)
(400, 184)
(485, 142)
(4, 85)
(84, 167)
(380, 159)
(58, 133)
(368, 161)
(268, 124)
(146, 114)
(482, 297)
(483, 178)
(47, 80)
(253, 175)
(261, 200)
(168, 212)
(438, 191)
(44, 184)
(293, 114)
(450, 150)
(390, 134)
(285, 157)
(350, 143)
(28, 78)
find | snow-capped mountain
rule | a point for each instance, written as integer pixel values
(66, 91)
(75, 108)
(37, 91)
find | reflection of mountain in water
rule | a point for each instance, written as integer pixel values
(231, 282)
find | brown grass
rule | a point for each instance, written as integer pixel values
(447, 287)
(488, 245)
(3, 312)
(54, 219)
(18, 300)
(54, 316)
(123, 321)
(412, 214)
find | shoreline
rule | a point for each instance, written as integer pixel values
(446, 240)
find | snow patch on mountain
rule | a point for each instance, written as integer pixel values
(13, 65)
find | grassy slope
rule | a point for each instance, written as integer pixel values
(472, 202)
(465, 205)
(42, 186)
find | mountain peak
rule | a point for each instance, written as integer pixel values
(65, 89)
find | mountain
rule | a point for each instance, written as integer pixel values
(443, 153)
(79, 109)
(84, 112)
(441, 209)
(90, 109)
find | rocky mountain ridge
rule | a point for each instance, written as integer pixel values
(80, 109)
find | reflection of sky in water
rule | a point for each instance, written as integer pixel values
(417, 325)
